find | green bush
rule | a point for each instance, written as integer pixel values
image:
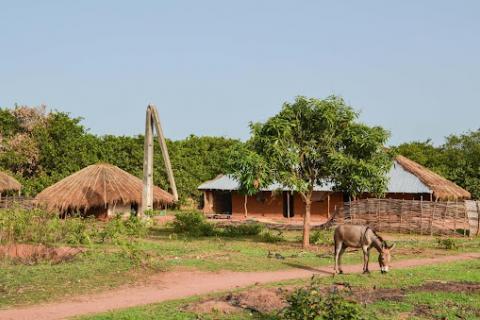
(193, 224)
(38, 226)
(447, 243)
(311, 304)
(268, 236)
(321, 238)
(247, 229)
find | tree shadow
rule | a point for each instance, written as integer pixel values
(308, 268)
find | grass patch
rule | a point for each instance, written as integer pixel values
(416, 304)
(121, 252)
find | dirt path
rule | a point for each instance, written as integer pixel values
(177, 285)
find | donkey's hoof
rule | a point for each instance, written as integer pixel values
(340, 272)
(366, 272)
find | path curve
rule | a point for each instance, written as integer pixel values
(182, 284)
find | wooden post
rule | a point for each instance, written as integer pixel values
(445, 217)
(328, 205)
(433, 217)
(478, 219)
(147, 195)
(400, 216)
(421, 214)
(163, 147)
(455, 217)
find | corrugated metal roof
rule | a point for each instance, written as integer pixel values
(400, 181)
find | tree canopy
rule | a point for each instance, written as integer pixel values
(457, 159)
(40, 148)
(313, 142)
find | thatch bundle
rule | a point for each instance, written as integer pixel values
(442, 188)
(97, 186)
(8, 183)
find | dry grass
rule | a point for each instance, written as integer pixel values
(8, 183)
(442, 188)
(97, 186)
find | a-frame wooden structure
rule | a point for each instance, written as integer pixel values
(153, 121)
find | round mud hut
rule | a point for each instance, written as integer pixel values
(102, 190)
(8, 184)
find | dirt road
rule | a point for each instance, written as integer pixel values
(177, 285)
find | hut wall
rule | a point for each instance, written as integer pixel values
(270, 204)
(265, 204)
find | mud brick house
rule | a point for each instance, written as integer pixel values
(407, 180)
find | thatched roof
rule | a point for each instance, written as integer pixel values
(442, 188)
(8, 183)
(97, 186)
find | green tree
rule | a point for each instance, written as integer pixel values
(251, 170)
(312, 142)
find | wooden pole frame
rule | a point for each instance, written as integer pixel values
(152, 121)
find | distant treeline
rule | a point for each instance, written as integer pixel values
(40, 148)
(457, 159)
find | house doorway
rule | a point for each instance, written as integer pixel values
(222, 202)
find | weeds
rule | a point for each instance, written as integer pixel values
(447, 243)
(310, 303)
(38, 226)
(269, 237)
(321, 238)
(248, 229)
(193, 224)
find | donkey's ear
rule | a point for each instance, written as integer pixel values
(391, 247)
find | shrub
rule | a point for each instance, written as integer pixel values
(247, 229)
(38, 226)
(320, 238)
(310, 304)
(447, 243)
(268, 236)
(193, 224)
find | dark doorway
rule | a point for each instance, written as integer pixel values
(288, 208)
(222, 202)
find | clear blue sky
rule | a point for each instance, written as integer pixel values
(211, 67)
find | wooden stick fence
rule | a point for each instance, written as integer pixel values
(17, 202)
(408, 216)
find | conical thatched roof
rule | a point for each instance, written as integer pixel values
(97, 186)
(442, 188)
(8, 183)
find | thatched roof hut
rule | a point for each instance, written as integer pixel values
(8, 183)
(442, 188)
(98, 188)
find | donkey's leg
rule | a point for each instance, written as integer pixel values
(366, 258)
(340, 254)
(338, 248)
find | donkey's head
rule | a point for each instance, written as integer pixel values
(385, 256)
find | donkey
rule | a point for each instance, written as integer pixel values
(364, 237)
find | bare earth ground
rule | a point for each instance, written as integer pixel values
(181, 284)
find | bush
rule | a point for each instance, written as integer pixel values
(38, 226)
(447, 243)
(310, 304)
(268, 236)
(247, 229)
(320, 238)
(193, 224)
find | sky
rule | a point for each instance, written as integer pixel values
(212, 67)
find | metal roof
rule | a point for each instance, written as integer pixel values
(400, 181)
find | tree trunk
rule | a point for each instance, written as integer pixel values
(245, 205)
(306, 220)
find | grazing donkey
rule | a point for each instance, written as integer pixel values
(360, 237)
